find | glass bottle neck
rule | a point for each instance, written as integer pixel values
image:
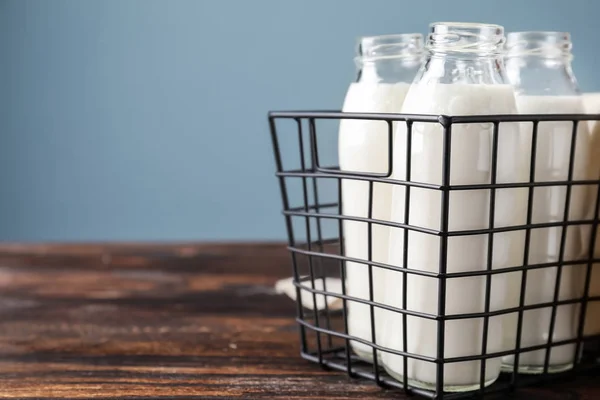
(464, 53)
(539, 63)
(462, 69)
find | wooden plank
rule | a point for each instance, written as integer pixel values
(166, 321)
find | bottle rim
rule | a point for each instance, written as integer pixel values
(467, 25)
(477, 39)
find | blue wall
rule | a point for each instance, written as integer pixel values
(116, 115)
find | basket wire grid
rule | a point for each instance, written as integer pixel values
(309, 190)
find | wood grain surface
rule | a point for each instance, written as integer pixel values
(165, 322)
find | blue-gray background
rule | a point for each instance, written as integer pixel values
(146, 120)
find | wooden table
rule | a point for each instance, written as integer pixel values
(165, 321)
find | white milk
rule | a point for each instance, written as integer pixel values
(552, 164)
(363, 147)
(591, 102)
(591, 105)
(470, 164)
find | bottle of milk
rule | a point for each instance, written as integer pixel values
(462, 75)
(386, 66)
(539, 66)
(591, 102)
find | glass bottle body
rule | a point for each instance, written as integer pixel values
(539, 67)
(386, 66)
(463, 75)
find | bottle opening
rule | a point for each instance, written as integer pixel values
(465, 37)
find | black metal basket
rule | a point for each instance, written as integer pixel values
(312, 206)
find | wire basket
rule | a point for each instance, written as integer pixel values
(311, 190)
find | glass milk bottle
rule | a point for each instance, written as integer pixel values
(386, 66)
(539, 66)
(462, 75)
(591, 102)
